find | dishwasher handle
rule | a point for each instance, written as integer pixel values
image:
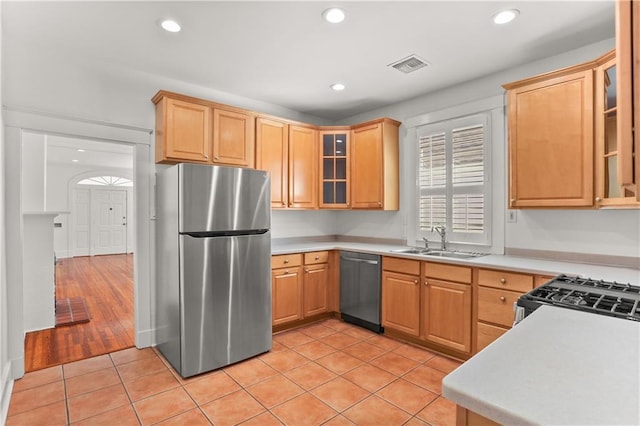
(355, 259)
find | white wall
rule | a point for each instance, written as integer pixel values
(34, 166)
(607, 232)
(293, 223)
(6, 382)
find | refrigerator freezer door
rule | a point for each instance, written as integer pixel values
(216, 198)
(226, 300)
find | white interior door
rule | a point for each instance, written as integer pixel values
(81, 218)
(108, 221)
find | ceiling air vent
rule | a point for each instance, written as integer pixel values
(409, 64)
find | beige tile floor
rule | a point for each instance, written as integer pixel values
(327, 373)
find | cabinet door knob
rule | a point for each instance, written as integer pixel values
(503, 280)
(286, 261)
(598, 199)
(317, 257)
(216, 158)
(306, 270)
(502, 298)
(379, 204)
(286, 271)
(206, 156)
(426, 283)
(415, 281)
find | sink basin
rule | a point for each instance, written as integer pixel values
(411, 250)
(438, 253)
(452, 254)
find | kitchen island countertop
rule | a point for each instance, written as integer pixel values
(514, 263)
(558, 366)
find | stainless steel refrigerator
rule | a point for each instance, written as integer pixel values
(213, 266)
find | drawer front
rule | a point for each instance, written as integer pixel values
(286, 260)
(487, 333)
(505, 280)
(461, 274)
(541, 279)
(316, 257)
(496, 306)
(405, 266)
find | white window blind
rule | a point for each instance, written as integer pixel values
(453, 179)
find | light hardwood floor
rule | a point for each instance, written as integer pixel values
(106, 283)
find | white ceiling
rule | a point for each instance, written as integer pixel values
(100, 155)
(285, 54)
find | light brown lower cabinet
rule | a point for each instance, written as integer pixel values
(401, 295)
(316, 279)
(429, 301)
(497, 292)
(286, 288)
(466, 417)
(446, 305)
(300, 286)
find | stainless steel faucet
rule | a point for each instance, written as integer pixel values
(426, 243)
(442, 231)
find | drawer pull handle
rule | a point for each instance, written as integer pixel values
(286, 261)
(306, 270)
(502, 298)
(317, 257)
(503, 280)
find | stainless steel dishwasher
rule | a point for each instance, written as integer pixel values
(360, 289)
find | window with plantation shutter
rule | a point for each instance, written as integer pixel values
(453, 179)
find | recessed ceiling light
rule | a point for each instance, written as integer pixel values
(170, 25)
(333, 15)
(505, 16)
(80, 150)
(337, 86)
(75, 161)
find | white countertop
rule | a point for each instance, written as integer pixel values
(557, 367)
(515, 263)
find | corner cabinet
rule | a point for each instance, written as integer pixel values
(374, 161)
(334, 169)
(613, 142)
(194, 130)
(550, 121)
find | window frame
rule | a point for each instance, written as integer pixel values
(447, 126)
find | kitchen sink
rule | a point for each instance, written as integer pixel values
(411, 250)
(438, 253)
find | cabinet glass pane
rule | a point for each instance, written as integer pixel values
(327, 145)
(341, 192)
(610, 133)
(611, 177)
(327, 193)
(341, 145)
(327, 168)
(341, 168)
(610, 87)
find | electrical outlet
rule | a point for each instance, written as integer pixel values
(512, 217)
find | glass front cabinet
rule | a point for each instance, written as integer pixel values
(334, 169)
(610, 188)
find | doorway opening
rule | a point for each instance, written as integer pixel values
(92, 183)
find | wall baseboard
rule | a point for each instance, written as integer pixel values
(145, 338)
(7, 390)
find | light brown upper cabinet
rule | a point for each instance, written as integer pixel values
(613, 142)
(334, 169)
(183, 131)
(550, 120)
(289, 153)
(233, 138)
(303, 167)
(374, 165)
(195, 130)
(272, 155)
(628, 89)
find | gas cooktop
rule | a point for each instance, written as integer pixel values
(597, 296)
